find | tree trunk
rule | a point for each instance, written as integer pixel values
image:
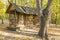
(43, 25)
(43, 18)
(2, 21)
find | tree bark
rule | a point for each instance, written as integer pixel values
(2, 21)
(43, 18)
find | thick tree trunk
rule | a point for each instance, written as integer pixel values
(43, 25)
(43, 18)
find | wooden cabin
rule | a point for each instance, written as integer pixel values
(21, 16)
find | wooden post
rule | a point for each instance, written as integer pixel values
(27, 21)
(33, 20)
(15, 18)
(24, 17)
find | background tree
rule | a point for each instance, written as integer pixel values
(1, 11)
(55, 12)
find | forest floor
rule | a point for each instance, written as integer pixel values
(27, 34)
(14, 35)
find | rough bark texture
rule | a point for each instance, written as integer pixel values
(43, 19)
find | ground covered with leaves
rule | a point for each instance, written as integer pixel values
(27, 34)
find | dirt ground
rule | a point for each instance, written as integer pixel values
(26, 34)
(13, 35)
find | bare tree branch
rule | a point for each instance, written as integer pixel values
(38, 6)
(47, 9)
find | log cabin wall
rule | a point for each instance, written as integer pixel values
(35, 21)
(29, 21)
(11, 19)
(21, 21)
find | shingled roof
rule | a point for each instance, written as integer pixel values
(23, 9)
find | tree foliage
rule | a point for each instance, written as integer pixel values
(55, 14)
(1, 5)
(55, 8)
